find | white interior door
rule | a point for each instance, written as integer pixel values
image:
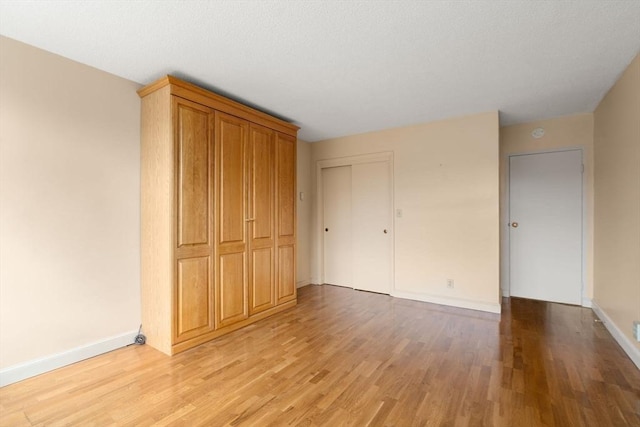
(545, 232)
(372, 238)
(336, 197)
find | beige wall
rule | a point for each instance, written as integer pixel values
(303, 275)
(446, 183)
(69, 203)
(562, 132)
(617, 203)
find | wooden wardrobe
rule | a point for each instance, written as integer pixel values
(218, 215)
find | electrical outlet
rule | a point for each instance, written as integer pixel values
(636, 330)
(450, 283)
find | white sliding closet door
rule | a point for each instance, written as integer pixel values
(337, 228)
(372, 231)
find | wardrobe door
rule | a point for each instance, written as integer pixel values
(286, 217)
(262, 289)
(231, 266)
(193, 290)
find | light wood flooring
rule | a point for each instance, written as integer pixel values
(343, 357)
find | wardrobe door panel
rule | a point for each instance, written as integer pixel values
(262, 289)
(232, 281)
(193, 140)
(232, 302)
(262, 182)
(286, 147)
(286, 273)
(193, 316)
(286, 217)
(262, 293)
(193, 313)
(232, 137)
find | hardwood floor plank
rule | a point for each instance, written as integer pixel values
(342, 358)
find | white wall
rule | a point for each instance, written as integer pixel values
(446, 183)
(69, 208)
(303, 275)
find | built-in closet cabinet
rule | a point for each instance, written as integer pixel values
(218, 215)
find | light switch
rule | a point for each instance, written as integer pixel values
(302, 196)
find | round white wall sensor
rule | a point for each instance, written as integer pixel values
(537, 133)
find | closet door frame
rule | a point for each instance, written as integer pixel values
(386, 156)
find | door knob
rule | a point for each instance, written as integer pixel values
(385, 231)
(326, 229)
(514, 224)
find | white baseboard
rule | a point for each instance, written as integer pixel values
(303, 283)
(624, 341)
(454, 302)
(32, 368)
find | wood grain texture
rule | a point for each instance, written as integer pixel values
(262, 284)
(286, 273)
(193, 298)
(232, 282)
(261, 226)
(231, 141)
(286, 217)
(193, 152)
(232, 301)
(262, 191)
(344, 357)
(286, 165)
(157, 213)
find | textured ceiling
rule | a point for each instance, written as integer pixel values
(339, 68)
